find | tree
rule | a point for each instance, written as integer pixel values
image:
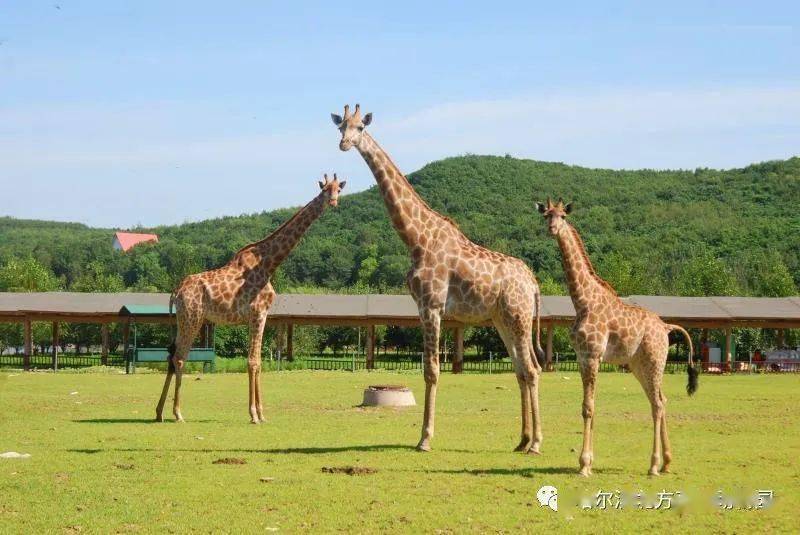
(705, 275)
(95, 279)
(27, 275)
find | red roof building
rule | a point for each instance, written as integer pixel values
(125, 241)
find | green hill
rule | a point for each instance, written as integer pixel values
(678, 232)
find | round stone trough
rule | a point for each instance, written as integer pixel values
(388, 396)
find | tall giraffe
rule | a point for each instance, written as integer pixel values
(239, 292)
(606, 329)
(452, 276)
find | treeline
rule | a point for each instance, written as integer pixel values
(700, 232)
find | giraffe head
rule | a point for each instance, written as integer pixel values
(351, 126)
(555, 214)
(331, 188)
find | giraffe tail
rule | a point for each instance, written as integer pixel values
(538, 351)
(171, 347)
(691, 370)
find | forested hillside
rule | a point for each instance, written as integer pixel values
(671, 232)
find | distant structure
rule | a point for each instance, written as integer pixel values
(125, 241)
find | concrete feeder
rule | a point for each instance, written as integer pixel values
(388, 396)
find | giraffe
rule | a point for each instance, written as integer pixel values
(606, 329)
(240, 292)
(454, 277)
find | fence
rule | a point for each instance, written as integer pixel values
(414, 362)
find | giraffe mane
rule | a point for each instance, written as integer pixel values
(585, 255)
(282, 226)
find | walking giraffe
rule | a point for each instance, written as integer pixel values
(606, 329)
(454, 277)
(240, 292)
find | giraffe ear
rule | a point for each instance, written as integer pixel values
(540, 207)
(337, 119)
(321, 185)
(568, 208)
(341, 184)
(367, 119)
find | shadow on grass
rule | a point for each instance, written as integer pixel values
(528, 471)
(302, 451)
(132, 421)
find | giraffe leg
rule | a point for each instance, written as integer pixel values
(665, 445)
(526, 433)
(534, 375)
(254, 368)
(187, 330)
(164, 391)
(531, 369)
(176, 404)
(431, 322)
(589, 366)
(650, 380)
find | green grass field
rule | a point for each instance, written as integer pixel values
(99, 464)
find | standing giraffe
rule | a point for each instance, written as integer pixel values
(452, 276)
(606, 329)
(239, 292)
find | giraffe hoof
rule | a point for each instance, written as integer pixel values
(255, 421)
(423, 446)
(653, 472)
(525, 445)
(533, 451)
(584, 472)
(159, 418)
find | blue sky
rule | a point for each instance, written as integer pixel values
(120, 113)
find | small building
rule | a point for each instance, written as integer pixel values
(125, 241)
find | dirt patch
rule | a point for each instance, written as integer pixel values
(349, 470)
(230, 460)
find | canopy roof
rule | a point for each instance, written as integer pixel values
(334, 309)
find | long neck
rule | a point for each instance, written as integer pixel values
(408, 212)
(583, 283)
(273, 250)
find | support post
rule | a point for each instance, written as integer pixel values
(104, 344)
(56, 333)
(728, 348)
(204, 335)
(549, 348)
(290, 342)
(126, 336)
(26, 359)
(458, 353)
(780, 338)
(371, 347)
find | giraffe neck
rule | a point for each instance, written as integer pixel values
(408, 212)
(273, 250)
(583, 283)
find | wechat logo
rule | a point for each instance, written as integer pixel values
(548, 497)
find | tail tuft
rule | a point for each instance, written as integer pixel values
(691, 386)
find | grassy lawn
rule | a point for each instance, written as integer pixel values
(100, 465)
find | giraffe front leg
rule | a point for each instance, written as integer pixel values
(431, 322)
(254, 368)
(589, 367)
